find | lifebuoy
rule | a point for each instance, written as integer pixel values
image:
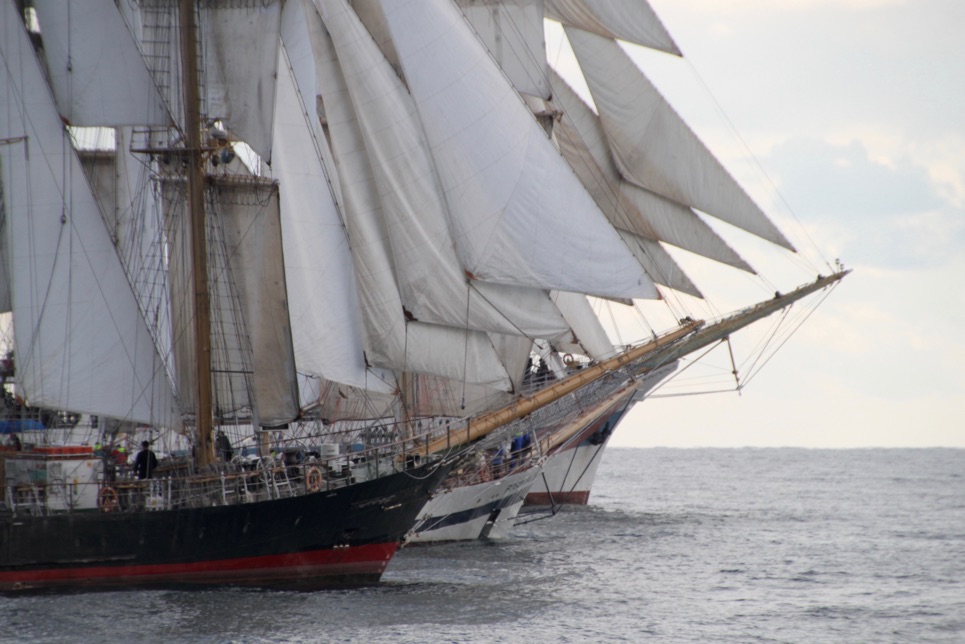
(107, 499)
(568, 359)
(313, 479)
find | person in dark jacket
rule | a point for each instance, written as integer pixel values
(145, 462)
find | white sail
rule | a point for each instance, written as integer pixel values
(512, 31)
(634, 21)
(334, 401)
(549, 355)
(653, 147)
(323, 303)
(240, 54)
(390, 341)
(96, 70)
(4, 258)
(370, 13)
(591, 338)
(513, 352)
(503, 180)
(457, 354)
(122, 188)
(252, 228)
(82, 343)
(435, 396)
(432, 282)
(583, 143)
(179, 285)
(659, 263)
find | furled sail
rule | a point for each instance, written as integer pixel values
(583, 143)
(323, 302)
(634, 22)
(653, 147)
(96, 69)
(432, 282)
(503, 180)
(512, 31)
(390, 341)
(81, 342)
(240, 55)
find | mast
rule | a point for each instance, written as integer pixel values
(204, 449)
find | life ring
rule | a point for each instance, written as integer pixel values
(107, 499)
(313, 479)
(568, 359)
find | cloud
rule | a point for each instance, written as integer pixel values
(791, 5)
(882, 212)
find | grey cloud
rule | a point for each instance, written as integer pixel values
(895, 216)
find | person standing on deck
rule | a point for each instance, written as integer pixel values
(145, 462)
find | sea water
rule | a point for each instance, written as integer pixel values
(701, 545)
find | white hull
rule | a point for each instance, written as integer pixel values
(569, 472)
(479, 511)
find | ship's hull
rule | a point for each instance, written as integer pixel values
(345, 536)
(485, 510)
(569, 471)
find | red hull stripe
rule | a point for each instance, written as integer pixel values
(365, 560)
(568, 498)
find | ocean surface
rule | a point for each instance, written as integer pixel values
(702, 545)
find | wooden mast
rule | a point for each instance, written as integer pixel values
(204, 449)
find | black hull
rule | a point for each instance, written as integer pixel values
(330, 538)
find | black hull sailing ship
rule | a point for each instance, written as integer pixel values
(188, 341)
(345, 536)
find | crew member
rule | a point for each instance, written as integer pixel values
(145, 462)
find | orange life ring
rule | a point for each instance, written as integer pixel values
(313, 479)
(107, 499)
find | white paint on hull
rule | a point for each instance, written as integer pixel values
(464, 513)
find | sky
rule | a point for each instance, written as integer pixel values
(845, 120)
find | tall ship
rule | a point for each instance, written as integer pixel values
(340, 262)
(148, 301)
(483, 69)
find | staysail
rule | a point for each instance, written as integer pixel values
(323, 301)
(653, 147)
(503, 180)
(634, 22)
(583, 143)
(432, 282)
(390, 340)
(512, 31)
(82, 343)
